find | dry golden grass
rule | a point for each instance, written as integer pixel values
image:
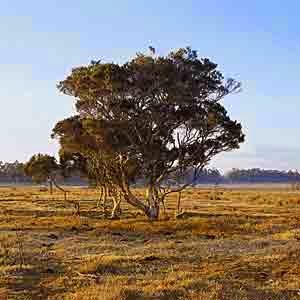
(111, 289)
(239, 244)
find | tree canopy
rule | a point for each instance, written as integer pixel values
(41, 167)
(154, 117)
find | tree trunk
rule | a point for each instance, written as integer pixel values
(60, 188)
(102, 201)
(151, 209)
(152, 212)
(100, 197)
(116, 210)
(178, 203)
(51, 186)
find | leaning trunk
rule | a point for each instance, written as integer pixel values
(150, 207)
(60, 188)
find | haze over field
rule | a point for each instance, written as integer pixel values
(257, 42)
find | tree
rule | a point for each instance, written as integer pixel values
(152, 118)
(17, 171)
(42, 168)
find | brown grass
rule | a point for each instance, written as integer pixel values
(110, 290)
(237, 244)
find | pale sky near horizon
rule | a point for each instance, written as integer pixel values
(256, 42)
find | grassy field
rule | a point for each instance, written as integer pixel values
(239, 244)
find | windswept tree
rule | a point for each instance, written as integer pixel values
(153, 117)
(82, 149)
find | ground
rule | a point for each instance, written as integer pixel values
(238, 243)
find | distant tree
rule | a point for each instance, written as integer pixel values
(42, 168)
(17, 171)
(151, 118)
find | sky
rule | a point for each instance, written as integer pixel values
(255, 42)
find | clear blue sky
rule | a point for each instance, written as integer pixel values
(256, 42)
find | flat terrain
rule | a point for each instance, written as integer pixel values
(237, 244)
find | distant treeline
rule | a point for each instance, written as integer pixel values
(13, 172)
(255, 175)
